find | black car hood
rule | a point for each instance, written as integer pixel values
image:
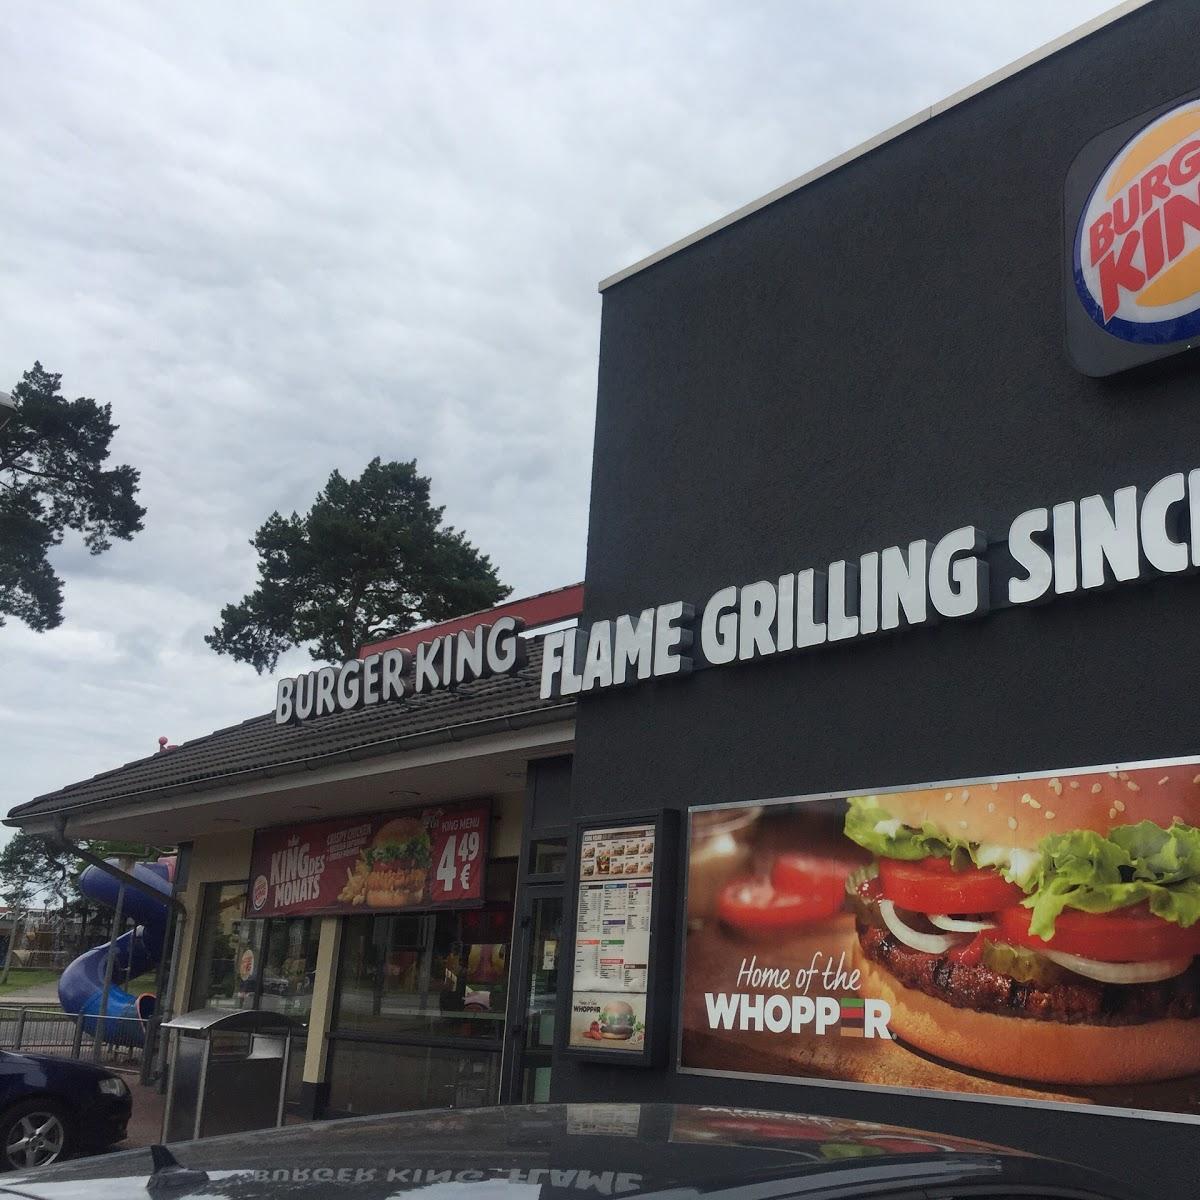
(554, 1152)
(54, 1062)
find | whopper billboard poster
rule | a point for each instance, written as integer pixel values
(421, 858)
(1023, 938)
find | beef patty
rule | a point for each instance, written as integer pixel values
(1079, 1002)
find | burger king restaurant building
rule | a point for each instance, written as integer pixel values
(402, 999)
(868, 781)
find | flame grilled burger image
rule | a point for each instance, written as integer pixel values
(398, 858)
(617, 1021)
(1044, 929)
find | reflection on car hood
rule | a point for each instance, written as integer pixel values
(549, 1152)
(59, 1064)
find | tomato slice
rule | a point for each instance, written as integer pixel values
(1131, 934)
(753, 906)
(933, 885)
(811, 875)
(970, 953)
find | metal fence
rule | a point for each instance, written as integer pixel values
(34, 1029)
(42, 960)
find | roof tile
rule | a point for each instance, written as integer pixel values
(259, 746)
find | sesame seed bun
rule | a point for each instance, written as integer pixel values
(399, 829)
(1020, 813)
(1034, 1050)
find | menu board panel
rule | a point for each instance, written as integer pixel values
(612, 939)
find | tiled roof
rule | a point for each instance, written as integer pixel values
(260, 747)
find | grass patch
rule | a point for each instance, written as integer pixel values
(20, 978)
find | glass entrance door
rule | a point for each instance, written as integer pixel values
(532, 1027)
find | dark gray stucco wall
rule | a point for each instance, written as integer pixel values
(877, 357)
(548, 795)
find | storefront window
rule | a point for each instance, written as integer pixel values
(243, 963)
(541, 992)
(228, 947)
(421, 1004)
(373, 1077)
(548, 857)
(289, 966)
(443, 973)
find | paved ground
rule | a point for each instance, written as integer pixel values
(145, 1126)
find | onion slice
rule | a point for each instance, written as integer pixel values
(957, 925)
(1106, 972)
(930, 943)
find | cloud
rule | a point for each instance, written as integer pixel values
(284, 237)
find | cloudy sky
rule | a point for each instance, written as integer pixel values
(285, 237)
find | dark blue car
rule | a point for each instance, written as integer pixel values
(52, 1107)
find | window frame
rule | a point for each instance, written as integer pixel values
(482, 1048)
(265, 924)
(207, 888)
(314, 937)
(436, 1040)
(532, 878)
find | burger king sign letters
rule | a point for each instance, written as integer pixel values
(1138, 248)
(1135, 257)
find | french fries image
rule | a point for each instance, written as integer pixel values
(355, 889)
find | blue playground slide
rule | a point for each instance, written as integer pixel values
(81, 985)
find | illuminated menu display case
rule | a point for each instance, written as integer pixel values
(625, 887)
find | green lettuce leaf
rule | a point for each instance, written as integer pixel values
(1134, 864)
(1180, 902)
(875, 829)
(415, 849)
(1160, 855)
(1083, 870)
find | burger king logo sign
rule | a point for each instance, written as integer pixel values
(1135, 258)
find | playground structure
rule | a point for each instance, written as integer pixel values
(81, 988)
